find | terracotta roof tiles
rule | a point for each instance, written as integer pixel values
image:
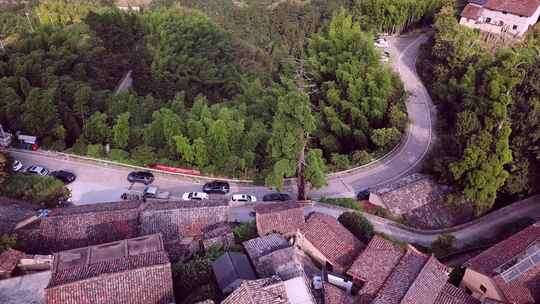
(9, 260)
(333, 240)
(525, 8)
(471, 11)
(450, 294)
(374, 265)
(283, 218)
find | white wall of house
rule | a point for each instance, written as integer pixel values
(474, 281)
(499, 22)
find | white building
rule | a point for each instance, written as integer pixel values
(513, 17)
(132, 5)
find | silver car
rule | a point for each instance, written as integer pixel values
(37, 170)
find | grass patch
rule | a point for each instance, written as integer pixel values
(345, 202)
(46, 191)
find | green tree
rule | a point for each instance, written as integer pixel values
(184, 149)
(293, 123)
(358, 225)
(121, 131)
(7, 241)
(385, 137)
(200, 152)
(4, 167)
(96, 130)
(443, 245)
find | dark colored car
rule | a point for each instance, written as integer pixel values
(141, 177)
(278, 196)
(65, 176)
(362, 195)
(216, 187)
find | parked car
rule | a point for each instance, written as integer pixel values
(65, 176)
(381, 43)
(37, 170)
(141, 177)
(362, 195)
(154, 192)
(16, 166)
(277, 196)
(194, 196)
(216, 187)
(243, 198)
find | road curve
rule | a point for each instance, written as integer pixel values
(419, 135)
(487, 226)
(90, 187)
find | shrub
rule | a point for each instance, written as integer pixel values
(144, 155)
(45, 190)
(244, 232)
(340, 161)
(361, 157)
(118, 155)
(7, 241)
(443, 245)
(358, 225)
(385, 138)
(4, 167)
(189, 276)
(345, 202)
(95, 151)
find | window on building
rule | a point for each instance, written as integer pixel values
(505, 12)
(483, 288)
(500, 23)
(514, 27)
(488, 20)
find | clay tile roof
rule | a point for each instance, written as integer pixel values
(396, 285)
(471, 12)
(427, 285)
(287, 263)
(333, 240)
(524, 289)
(95, 208)
(374, 265)
(450, 294)
(525, 8)
(184, 204)
(80, 226)
(335, 295)
(283, 218)
(264, 291)
(9, 260)
(96, 261)
(487, 261)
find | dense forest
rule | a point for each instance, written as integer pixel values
(208, 92)
(488, 103)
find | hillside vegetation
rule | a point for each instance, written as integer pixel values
(212, 82)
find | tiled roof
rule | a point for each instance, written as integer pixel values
(487, 261)
(182, 219)
(524, 289)
(9, 260)
(404, 274)
(428, 284)
(217, 229)
(263, 291)
(283, 218)
(80, 226)
(286, 263)
(471, 11)
(95, 208)
(185, 204)
(525, 8)
(374, 265)
(410, 192)
(131, 271)
(450, 294)
(89, 262)
(333, 240)
(335, 295)
(260, 246)
(232, 266)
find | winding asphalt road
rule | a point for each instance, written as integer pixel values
(101, 183)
